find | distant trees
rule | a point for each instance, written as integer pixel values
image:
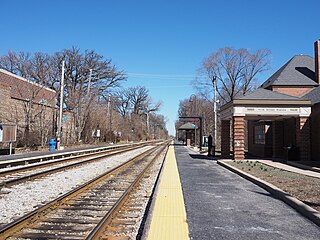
(200, 107)
(138, 111)
(235, 71)
(89, 80)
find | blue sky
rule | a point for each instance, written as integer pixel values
(161, 44)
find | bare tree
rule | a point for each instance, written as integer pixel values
(234, 69)
(80, 88)
(122, 102)
(17, 63)
(138, 97)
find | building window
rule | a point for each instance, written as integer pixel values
(260, 134)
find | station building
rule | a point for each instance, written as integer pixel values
(280, 119)
(29, 105)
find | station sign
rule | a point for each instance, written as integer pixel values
(8, 133)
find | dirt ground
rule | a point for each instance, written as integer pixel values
(304, 188)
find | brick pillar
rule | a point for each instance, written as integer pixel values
(225, 138)
(303, 137)
(238, 138)
(277, 139)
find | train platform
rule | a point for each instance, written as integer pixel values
(222, 205)
(43, 153)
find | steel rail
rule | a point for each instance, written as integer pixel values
(59, 160)
(53, 156)
(97, 232)
(16, 226)
(32, 176)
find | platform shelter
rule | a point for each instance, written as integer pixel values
(190, 130)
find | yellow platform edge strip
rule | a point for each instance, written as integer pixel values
(169, 218)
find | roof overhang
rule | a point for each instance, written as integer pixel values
(188, 126)
(266, 108)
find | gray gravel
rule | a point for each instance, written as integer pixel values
(222, 205)
(23, 198)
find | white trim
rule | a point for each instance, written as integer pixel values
(26, 80)
(272, 111)
(263, 111)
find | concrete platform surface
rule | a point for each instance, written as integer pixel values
(222, 205)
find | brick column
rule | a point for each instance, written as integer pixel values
(225, 138)
(277, 139)
(303, 137)
(238, 138)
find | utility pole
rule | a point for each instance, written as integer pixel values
(88, 93)
(148, 122)
(214, 81)
(109, 113)
(59, 132)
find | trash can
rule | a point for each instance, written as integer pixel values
(52, 145)
(291, 153)
(287, 149)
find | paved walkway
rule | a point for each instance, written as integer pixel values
(289, 168)
(222, 205)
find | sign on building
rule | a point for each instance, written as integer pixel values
(8, 132)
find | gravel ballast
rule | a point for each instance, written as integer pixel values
(23, 198)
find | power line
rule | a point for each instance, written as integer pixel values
(168, 86)
(163, 76)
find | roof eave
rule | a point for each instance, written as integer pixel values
(271, 102)
(264, 102)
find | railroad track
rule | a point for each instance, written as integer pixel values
(12, 176)
(92, 210)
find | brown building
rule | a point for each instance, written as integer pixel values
(28, 105)
(280, 118)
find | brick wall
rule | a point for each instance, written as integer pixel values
(23, 89)
(238, 138)
(20, 98)
(315, 132)
(5, 108)
(303, 137)
(292, 91)
(225, 138)
(277, 142)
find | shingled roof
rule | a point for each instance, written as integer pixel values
(298, 71)
(187, 126)
(313, 96)
(264, 94)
